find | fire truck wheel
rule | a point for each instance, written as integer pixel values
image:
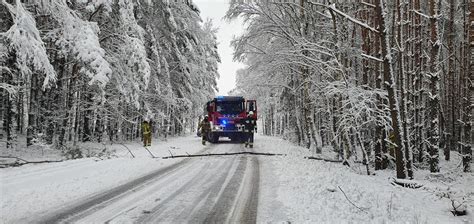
(213, 138)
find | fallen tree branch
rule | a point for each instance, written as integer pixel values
(459, 209)
(344, 162)
(13, 157)
(151, 154)
(128, 149)
(23, 162)
(222, 154)
(323, 159)
(362, 209)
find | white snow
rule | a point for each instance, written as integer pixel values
(25, 40)
(309, 191)
(34, 189)
(292, 189)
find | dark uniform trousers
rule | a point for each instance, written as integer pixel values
(250, 126)
(249, 138)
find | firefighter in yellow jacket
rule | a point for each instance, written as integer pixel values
(205, 128)
(146, 133)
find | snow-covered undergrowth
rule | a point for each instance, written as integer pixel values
(315, 191)
(40, 151)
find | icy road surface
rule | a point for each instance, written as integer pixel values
(219, 189)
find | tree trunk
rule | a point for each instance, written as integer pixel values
(390, 86)
(433, 116)
(402, 74)
(26, 102)
(7, 118)
(469, 89)
(86, 134)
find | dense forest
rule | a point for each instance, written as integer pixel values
(385, 83)
(388, 84)
(76, 71)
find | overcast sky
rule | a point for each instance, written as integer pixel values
(216, 9)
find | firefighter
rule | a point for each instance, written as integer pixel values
(205, 128)
(146, 133)
(250, 126)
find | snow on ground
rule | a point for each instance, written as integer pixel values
(35, 188)
(292, 189)
(310, 191)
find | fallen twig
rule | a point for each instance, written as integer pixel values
(23, 162)
(344, 162)
(362, 209)
(128, 149)
(151, 154)
(459, 209)
(323, 159)
(13, 157)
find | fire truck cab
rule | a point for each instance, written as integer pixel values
(225, 114)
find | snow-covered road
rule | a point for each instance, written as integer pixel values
(233, 188)
(193, 190)
(139, 190)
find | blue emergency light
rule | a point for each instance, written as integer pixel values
(224, 122)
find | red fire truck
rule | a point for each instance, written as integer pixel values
(225, 115)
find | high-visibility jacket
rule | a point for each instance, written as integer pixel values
(205, 126)
(146, 128)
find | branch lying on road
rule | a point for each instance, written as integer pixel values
(21, 162)
(223, 154)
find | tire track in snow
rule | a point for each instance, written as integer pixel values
(136, 199)
(246, 205)
(101, 199)
(217, 189)
(239, 201)
(169, 212)
(227, 195)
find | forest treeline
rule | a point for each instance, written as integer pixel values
(77, 70)
(378, 81)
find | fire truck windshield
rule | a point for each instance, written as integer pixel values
(229, 107)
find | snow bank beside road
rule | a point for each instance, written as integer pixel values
(309, 191)
(30, 190)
